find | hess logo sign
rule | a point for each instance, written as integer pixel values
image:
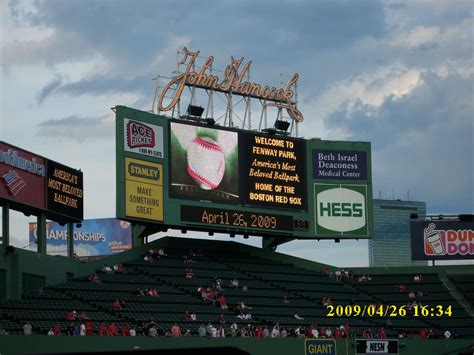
(340, 209)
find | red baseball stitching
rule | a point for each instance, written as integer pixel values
(207, 145)
(200, 178)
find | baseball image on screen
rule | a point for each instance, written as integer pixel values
(204, 163)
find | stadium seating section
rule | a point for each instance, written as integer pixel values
(268, 283)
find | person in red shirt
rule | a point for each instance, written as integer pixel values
(211, 297)
(89, 328)
(70, 316)
(125, 331)
(381, 333)
(423, 334)
(116, 305)
(175, 330)
(57, 330)
(113, 330)
(103, 330)
(153, 292)
(338, 334)
(402, 288)
(222, 302)
(366, 334)
(94, 278)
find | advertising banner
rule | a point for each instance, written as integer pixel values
(143, 189)
(65, 190)
(96, 237)
(141, 138)
(341, 209)
(376, 346)
(204, 163)
(442, 240)
(339, 164)
(22, 176)
(274, 170)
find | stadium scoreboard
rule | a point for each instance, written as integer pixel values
(186, 175)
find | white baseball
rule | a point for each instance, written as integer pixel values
(206, 162)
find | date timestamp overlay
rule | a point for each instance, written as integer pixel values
(388, 311)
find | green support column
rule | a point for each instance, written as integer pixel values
(6, 224)
(137, 235)
(41, 234)
(70, 239)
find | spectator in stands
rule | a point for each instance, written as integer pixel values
(328, 332)
(337, 333)
(51, 332)
(402, 288)
(324, 270)
(245, 288)
(175, 330)
(153, 292)
(70, 329)
(118, 268)
(113, 330)
(423, 334)
(211, 297)
(234, 328)
(152, 332)
(202, 330)
(94, 278)
(242, 306)
(284, 333)
(161, 252)
(27, 329)
(82, 330)
(381, 333)
(285, 300)
(189, 273)
(83, 316)
(314, 332)
(125, 331)
(298, 317)
(70, 316)
(107, 269)
(234, 283)
(57, 330)
(118, 305)
(338, 275)
(221, 319)
(89, 328)
(133, 332)
(447, 334)
(222, 302)
(187, 316)
(418, 278)
(366, 334)
(103, 330)
(411, 295)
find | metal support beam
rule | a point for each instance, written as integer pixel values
(6, 224)
(70, 239)
(41, 233)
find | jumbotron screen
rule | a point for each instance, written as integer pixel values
(186, 175)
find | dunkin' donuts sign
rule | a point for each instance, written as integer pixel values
(442, 240)
(144, 139)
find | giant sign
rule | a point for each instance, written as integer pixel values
(65, 191)
(95, 237)
(442, 240)
(274, 171)
(233, 82)
(22, 176)
(341, 209)
(228, 180)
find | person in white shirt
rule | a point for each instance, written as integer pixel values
(275, 331)
(447, 334)
(213, 332)
(82, 332)
(133, 332)
(50, 332)
(315, 333)
(328, 333)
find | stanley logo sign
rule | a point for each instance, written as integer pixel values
(341, 209)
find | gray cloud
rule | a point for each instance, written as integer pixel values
(49, 88)
(76, 128)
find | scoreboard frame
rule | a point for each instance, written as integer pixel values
(251, 219)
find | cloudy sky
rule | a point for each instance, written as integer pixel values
(398, 74)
